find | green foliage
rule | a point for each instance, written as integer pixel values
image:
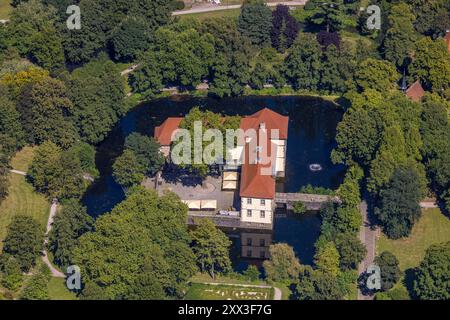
(129, 39)
(10, 274)
(86, 153)
(302, 65)
(147, 152)
(251, 273)
(351, 251)
(310, 189)
(145, 234)
(36, 288)
(336, 70)
(316, 285)
(211, 248)
(399, 208)
(68, 226)
(46, 113)
(433, 274)
(282, 265)
(329, 14)
(24, 241)
(326, 259)
(299, 207)
(56, 173)
(379, 75)
(431, 16)
(431, 64)
(389, 270)
(97, 91)
(126, 169)
(10, 119)
(255, 22)
(400, 37)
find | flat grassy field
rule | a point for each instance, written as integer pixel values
(199, 291)
(57, 290)
(433, 227)
(22, 199)
(5, 9)
(232, 14)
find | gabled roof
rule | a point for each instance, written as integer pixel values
(163, 133)
(415, 92)
(256, 178)
(271, 120)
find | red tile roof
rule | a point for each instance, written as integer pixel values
(163, 133)
(271, 119)
(447, 39)
(415, 91)
(256, 178)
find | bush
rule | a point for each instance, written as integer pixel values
(252, 273)
(299, 207)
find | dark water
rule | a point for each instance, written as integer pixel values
(312, 129)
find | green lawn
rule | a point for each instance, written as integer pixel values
(433, 227)
(232, 13)
(57, 290)
(199, 291)
(5, 9)
(22, 199)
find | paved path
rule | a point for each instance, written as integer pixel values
(428, 204)
(51, 217)
(211, 7)
(367, 235)
(18, 172)
(276, 296)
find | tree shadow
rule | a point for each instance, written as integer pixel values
(408, 282)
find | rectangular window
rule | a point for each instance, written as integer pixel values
(249, 253)
(262, 214)
(262, 254)
(249, 200)
(249, 213)
(262, 242)
(263, 202)
(249, 242)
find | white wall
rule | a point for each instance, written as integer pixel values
(256, 207)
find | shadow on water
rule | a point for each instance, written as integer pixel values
(312, 130)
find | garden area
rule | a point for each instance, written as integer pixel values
(200, 291)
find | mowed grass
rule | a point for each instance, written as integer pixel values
(5, 9)
(433, 227)
(57, 290)
(200, 291)
(22, 199)
(232, 14)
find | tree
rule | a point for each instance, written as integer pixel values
(431, 65)
(431, 16)
(127, 171)
(255, 22)
(399, 208)
(351, 251)
(389, 270)
(10, 119)
(46, 113)
(282, 265)
(330, 14)
(97, 92)
(302, 65)
(147, 79)
(400, 37)
(24, 241)
(327, 259)
(433, 274)
(316, 285)
(251, 273)
(147, 152)
(375, 74)
(12, 277)
(129, 39)
(299, 207)
(36, 288)
(284, 28)
(211, 248)
(143, 234)
(68, 226)
(335, 70)
(56, 173)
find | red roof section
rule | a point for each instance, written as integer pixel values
(447, 39)
(415, 91)
(163, 133)
(256, 178)
(271, 119)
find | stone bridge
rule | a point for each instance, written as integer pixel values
(311, 201)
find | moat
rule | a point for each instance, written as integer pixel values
(312, 128)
